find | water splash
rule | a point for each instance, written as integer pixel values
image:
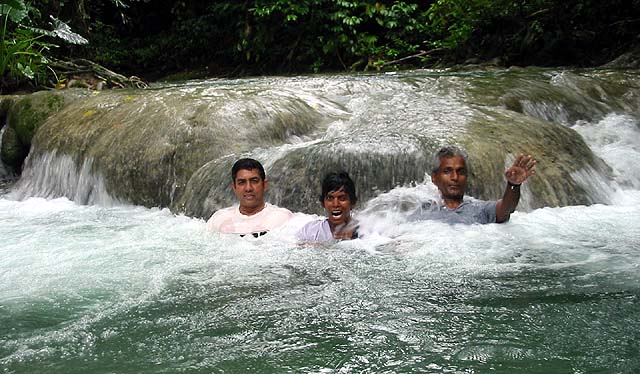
(616, 139)
(130, 288)
(52, 175)
(176, 143)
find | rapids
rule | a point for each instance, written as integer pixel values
(101, 285)
(173, 145)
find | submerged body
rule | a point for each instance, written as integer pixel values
(469, 211)
(338, 197)
(449, 174)
(252, 215)
(231, 221)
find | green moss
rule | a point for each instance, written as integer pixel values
(13, 152)
(560, 151)
(6, 102)
(30, 112)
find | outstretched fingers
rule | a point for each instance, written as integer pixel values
(525, 162)
(529, 163)
(522, 169)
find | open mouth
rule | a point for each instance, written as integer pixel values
(336, 213)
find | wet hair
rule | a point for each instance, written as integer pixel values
(448, 151)
(335, 181)
(247, 164)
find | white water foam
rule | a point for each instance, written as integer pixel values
(102, 268)
(56, 246)
(616, 139)
(52, 175)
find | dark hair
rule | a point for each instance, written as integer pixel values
(335, 181)
(448, 151)
(247, 164)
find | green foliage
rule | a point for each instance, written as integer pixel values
(540, 32)
(452, 22)
(20, 49)
(229, 37)
(24, 48)
(343, 33)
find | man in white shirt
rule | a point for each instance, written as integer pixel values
(252, 215)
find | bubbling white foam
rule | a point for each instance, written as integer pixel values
(110, 274)
(616, 139)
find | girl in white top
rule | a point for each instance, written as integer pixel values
(338, 198)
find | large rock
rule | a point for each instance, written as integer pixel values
(24, 115)
(627, 60)
(13, 152)
(147, 144)
(174, 146)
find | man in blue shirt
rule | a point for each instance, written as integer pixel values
(449, 174)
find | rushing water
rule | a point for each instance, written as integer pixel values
(115, 289)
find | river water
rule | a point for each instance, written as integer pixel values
(130, 289)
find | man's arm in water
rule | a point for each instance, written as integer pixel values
(518, 173)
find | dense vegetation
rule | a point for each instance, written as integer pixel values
(160, 38)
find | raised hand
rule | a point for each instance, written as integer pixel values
(521, 170)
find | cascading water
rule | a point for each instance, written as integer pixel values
(173, 146)
(109, 287)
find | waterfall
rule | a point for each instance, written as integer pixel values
(55, 175)
(173, 145)
(114, 286)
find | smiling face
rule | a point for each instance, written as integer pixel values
(451, 178)
(249, 188)
(338, 207)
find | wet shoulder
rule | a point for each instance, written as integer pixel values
(314, 231)
(278, 211)
(221, 217)
(223, 213)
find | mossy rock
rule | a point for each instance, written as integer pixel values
(24, 116)
(29, 112)
(147, 144)
(6, 102)
(13, 152)
(560, 152)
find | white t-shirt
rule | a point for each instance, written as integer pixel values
(231, 221)
(320, 231)
(315, 231)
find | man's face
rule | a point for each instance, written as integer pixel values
(338, 206)
(249, 188)
(451, 177)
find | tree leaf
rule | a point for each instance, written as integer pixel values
(63, 31)
(16, 9)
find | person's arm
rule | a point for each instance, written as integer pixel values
(315, 232)
(518, 173)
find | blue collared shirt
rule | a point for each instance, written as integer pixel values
(470, 211)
